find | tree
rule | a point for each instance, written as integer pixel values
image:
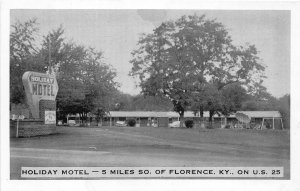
(270, 103)
(284, 109)
(51, 52)
(71, 94)
(127, 102)
(23, 56)
(99, 82)
(165, 61)
(100, 114)
(151, 103)
(86, 83)
(122, 102)
(238, 65)
(213, 100)
(224, 101)
(181, 57)
(233, 95)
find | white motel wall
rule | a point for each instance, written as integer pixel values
(259, 119)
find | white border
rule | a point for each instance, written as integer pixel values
(265, 185)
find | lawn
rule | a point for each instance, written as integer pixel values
(150, 146)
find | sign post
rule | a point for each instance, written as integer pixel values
(17, 132)
(18, 117)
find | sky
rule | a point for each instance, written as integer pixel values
(116, 32)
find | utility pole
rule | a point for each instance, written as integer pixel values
(49, 49)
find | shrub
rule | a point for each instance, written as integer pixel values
(189, 123)
(131, 122)
(227, 127)
(209, 126)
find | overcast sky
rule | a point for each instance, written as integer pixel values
(116, 32)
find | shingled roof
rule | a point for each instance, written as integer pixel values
(262, 114)
(252, 114)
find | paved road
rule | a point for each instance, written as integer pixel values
(105, 147)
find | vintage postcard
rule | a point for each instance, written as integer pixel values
(109, 94)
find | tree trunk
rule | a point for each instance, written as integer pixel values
(80, 118)
(211, 114)
(181, 118)
(201, 111)
(99, 122)
(202, 125)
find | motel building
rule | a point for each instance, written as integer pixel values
(258, 119)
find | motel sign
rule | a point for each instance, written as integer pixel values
(39, 86)
(42, 85)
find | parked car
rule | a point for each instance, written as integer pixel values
(174, 124)
(73, 121)
(121, 123)
(154, 125)
(59, 122)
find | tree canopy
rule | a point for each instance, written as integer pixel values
(182, 57)
(126, 102)
(23, 56)
(86, 83)
(190, 63)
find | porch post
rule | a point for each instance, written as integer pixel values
(273, 123)
(262, 124)
(281, 123)
(110, 122)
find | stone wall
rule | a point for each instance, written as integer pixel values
(30, 128)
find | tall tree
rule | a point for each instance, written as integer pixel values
(180, 57)
(23, 51)
(86, 82)
(151, 103)
(122, 102)
(51, 53)
(71, 94)
(232, 98)
(270, 103)
(99, 80)
(284, 108)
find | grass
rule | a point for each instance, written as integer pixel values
(152, 146)
(276, 139)
(249, 137)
